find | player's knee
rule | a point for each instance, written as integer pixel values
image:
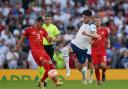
(91, 66)
(44, 62)
(103, 65)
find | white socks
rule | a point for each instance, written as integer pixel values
(66, 60)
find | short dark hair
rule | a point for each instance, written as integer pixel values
(87, 12)
(39, 19)
(48, 15)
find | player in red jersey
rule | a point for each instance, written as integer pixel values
(99, 49)
(35, 36)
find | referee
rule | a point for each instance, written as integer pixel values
(53, 32)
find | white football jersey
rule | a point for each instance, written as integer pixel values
(82, 41)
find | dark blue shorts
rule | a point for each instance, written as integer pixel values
(81, 54)
(89, 58)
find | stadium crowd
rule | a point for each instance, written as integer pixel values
(16, 15)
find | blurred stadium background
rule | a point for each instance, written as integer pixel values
(16, 15)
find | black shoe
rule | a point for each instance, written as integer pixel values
(45, 84)
(103, 77)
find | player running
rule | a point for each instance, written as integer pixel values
(35, 35)
(81, 44)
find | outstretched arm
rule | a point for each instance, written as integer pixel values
(93, 34)
(19, 43)
(49, 38)
(53, 39)
(57, 38)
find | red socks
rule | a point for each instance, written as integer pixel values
(97, 73)
(47, 68)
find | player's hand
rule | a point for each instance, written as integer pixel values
(49, 38)
(98, 37)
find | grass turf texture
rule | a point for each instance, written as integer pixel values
(74, 84)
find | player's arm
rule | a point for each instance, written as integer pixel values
(108, 43)
(20, 42)
(92, 34)
(53, 39)
(49, 38)
(57, 38)
(108, 40)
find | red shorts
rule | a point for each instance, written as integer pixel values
(40, 56)
(98, 59)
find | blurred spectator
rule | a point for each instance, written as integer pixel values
(68, 36)
(123, 61)
(31, 61)
(2, 60)
(5, 8)
(8, 36)
(3, 47)
(115, 57)
(12, 58)
(22, 61)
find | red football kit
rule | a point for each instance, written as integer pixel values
(35, 38)
(99, 45)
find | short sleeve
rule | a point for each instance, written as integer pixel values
(93, 27)
(56, 31)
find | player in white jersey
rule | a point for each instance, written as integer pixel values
(81, 44)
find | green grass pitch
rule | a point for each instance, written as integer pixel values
(72, 84)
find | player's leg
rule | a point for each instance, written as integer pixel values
(84, 72)
(83, 62)
(50, 51)
(41, 72)
(91, 68)
(45, 74)
(80, 68)
(96, 62)
(97, 73)
(104, 67)
(47, 68)
(51, 65)
(41, 61)
(65, 52)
